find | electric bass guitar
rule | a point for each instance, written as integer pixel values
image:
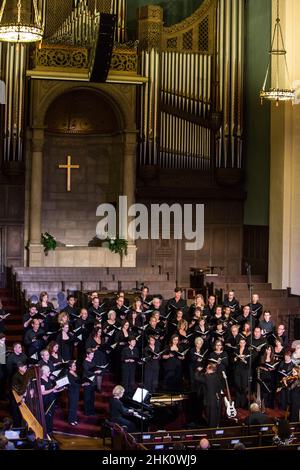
(229, 404)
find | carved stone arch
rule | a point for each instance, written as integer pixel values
(118, 100)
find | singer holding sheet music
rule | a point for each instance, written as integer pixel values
(151, 357)
(49, 389)
(241, 370)
(129, 359)
(90, 373)
(73, 393)
(173, 359)
(65, 340)
(268, 367)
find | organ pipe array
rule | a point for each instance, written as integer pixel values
(79, 28)
(194, 72)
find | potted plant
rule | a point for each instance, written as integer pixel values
(48, 242)
(118, 245)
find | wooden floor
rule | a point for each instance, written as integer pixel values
(71, 442)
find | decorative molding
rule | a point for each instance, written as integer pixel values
(61, 57)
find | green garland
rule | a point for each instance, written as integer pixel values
(48, 242)
(118, 245)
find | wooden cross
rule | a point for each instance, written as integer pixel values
(69, 167)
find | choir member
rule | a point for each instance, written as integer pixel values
(49, 390)
(46, 360)
(209, 309)
(245, 316)
(241, 373)
(66, 340)
(176, 303)
(16, 357)
(218, 316)
(96, 311)
(284, 370)
(145, 297)
(280, 333)
(173, 359)
(202, 330)
(34, 339)
(120, 308)
(198, 304)
(256, 308)
(266, 324)
(278, 350)
(197, 361)
(90, 373)
(219, 333)
(268, 376)
(232, 303)
(123, 334)
(136, 321)
(30, 315)
(95, 343)
(258, 343)
(295, 396)
(73, 393)
(219, 358)
(151, 370)
(129, 359)
(56, 357)
(246, 333)
(71, 309)
(46, 310)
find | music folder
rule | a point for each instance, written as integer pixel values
(62, 382)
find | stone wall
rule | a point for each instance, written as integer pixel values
(71, 216)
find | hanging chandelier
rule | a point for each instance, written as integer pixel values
(21, 21)
(277, 53)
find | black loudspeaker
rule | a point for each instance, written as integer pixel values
(297, 328)
(100, 63)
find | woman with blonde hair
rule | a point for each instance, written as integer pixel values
(63, 318)
(197, 359)
(118, 413)
(198, 304)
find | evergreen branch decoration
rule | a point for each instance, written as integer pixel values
(48, 242)
(118, 245)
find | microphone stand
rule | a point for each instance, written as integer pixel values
(143, 374)
(251, 335)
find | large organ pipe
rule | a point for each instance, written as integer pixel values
(240, 83)
(233, 81)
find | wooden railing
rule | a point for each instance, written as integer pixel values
(17, 292)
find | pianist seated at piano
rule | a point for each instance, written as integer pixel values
(118, 413)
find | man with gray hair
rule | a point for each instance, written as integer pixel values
(257, 417)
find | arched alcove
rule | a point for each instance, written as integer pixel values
(86, 125)
(82, 112)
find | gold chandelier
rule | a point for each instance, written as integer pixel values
(277, 51)
(21, 21)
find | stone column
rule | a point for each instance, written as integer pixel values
(36, 254)
(129, 180)
(284, 244)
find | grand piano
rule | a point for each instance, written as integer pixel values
(157, 409)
